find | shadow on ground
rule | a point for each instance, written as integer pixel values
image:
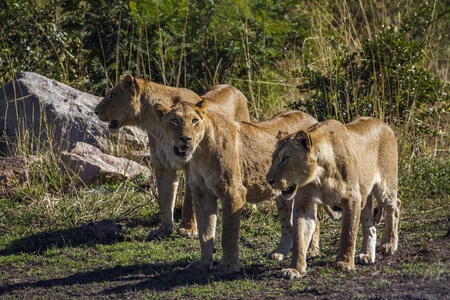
(72, 237)
(139, 277)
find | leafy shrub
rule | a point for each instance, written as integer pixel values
(89, 44)
(32, 39)
(387, 77)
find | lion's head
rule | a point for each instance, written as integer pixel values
(121, 105)
(183, 125)
(294, 163)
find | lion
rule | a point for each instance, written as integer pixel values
(227, 160)
(341, 166)
(130, 103)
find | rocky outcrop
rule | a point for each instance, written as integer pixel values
(93, 166)
(36, 111)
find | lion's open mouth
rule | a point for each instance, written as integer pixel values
(290, 190)
(113, 124)
(183, 150)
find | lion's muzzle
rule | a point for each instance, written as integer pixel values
(184, 150)
(290, 190)
(113, 124)
(287, 190)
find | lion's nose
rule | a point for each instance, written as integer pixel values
(96, 112)
(270, 181)
(185, 139)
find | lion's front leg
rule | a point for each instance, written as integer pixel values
(167, 184)
(284, 208)
(350, 221)
(304, 226)
(188, 226)
(206, 214)
(232, 204)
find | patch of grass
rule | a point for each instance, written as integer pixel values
(437, 270)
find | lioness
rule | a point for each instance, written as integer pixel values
(227, 160)
(130, 103)
(340, 166)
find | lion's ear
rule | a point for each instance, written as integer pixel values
(128, 83)
(281, 135)
(302, 139)
(126, 79)
(202, 105)
(160, 110)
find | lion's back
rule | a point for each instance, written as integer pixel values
(227, 100)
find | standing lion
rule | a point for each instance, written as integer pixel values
(227, 160)
(342, 166)
(131, 102)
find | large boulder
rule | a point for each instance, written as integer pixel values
(36, 111)
(93, 166)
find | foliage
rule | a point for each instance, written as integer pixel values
(386, 77)
(178, 43)
(32, 39)
(400, 74)
(425, 177)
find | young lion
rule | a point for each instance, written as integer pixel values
(341, 166)
(130, 103)
(227, 160)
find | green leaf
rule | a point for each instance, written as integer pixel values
(132, 5)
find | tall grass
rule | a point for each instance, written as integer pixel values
(365, 60)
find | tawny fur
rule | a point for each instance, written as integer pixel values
(341, 166)
(228, 160)
(131, 102)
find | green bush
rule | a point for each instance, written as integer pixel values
(387, 77)
(32, 39)
(90, 44)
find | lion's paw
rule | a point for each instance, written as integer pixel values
(364, 259)
(229, 267)
(276, 256)
(345, 266)
(158, 234)
(313, 253)
(388, 249)
(187, 232)
(196, 265)
(292, 273)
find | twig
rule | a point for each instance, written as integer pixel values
(3, 225)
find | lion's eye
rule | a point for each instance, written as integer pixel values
(109, 98)
(194, 121)
(175, 121)
(284, 159)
